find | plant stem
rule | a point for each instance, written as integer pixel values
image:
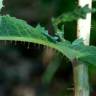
(81, 84)
(80, 69)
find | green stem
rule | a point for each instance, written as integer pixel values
(81, 84)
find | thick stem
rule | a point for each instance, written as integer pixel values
(81, 84)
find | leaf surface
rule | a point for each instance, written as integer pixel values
(13, 29)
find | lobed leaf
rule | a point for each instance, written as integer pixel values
(18, 30)
(90, 51)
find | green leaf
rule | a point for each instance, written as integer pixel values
(90, 51)
(91, 57)
(18, 30)
(93, 0)
(78, 42)
(79, 12)
(13, 29)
